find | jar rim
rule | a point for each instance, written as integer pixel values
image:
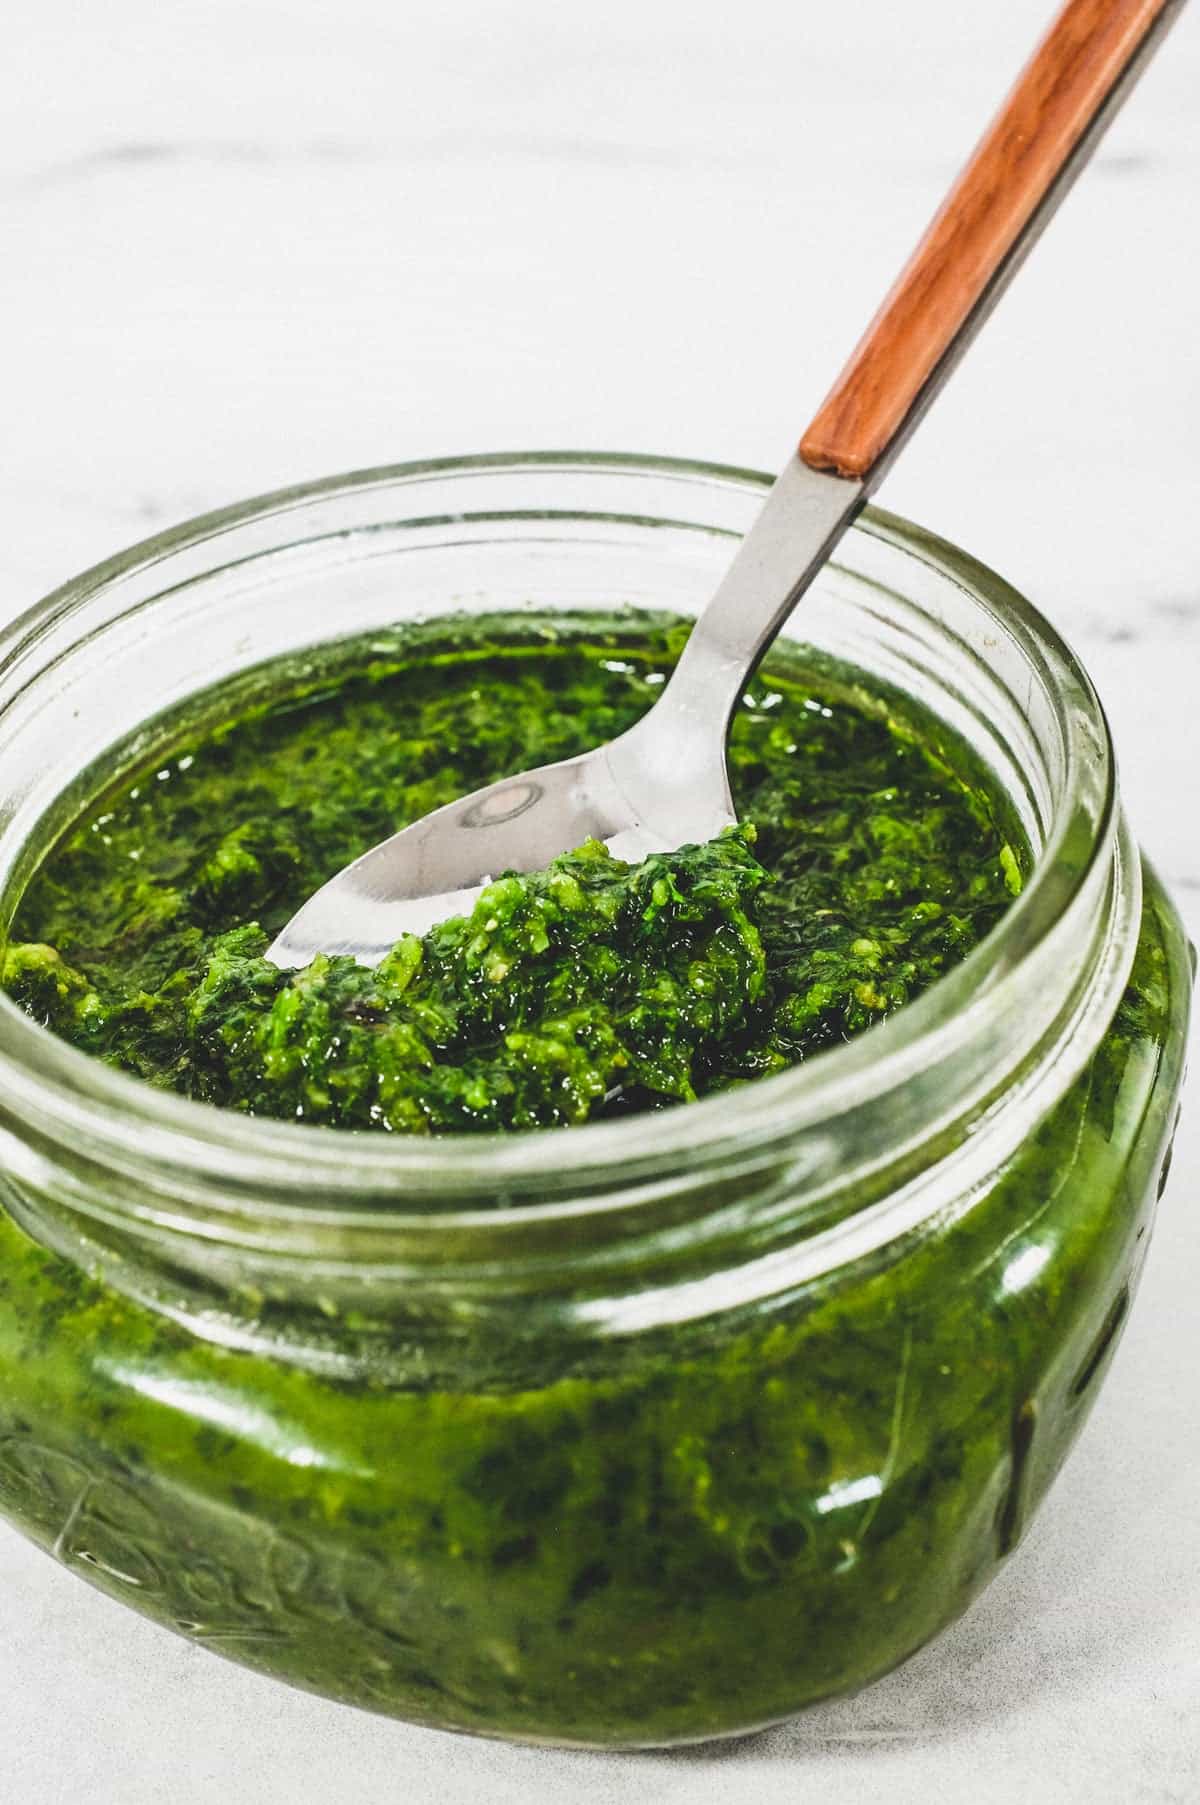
(313, 1171)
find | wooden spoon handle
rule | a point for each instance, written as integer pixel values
(1034, 147)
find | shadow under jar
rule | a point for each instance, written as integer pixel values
(646, 1431)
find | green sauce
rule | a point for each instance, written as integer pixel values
(867, 865)
(672, 1533)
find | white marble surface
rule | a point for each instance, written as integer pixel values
(251, 241)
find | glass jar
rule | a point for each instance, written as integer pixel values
(651, 1430)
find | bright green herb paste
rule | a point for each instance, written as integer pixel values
(480, 1522)
(865, 868)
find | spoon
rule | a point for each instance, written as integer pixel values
(663, 783)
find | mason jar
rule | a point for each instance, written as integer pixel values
(651, 1430)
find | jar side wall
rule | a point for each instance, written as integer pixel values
(704, 1538)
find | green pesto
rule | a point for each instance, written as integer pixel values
(866, 866)
(689, 1534)
(674, 1534)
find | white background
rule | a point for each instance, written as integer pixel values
(244, 242)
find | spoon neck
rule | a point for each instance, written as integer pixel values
(802, 519)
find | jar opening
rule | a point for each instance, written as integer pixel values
(231, 590)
